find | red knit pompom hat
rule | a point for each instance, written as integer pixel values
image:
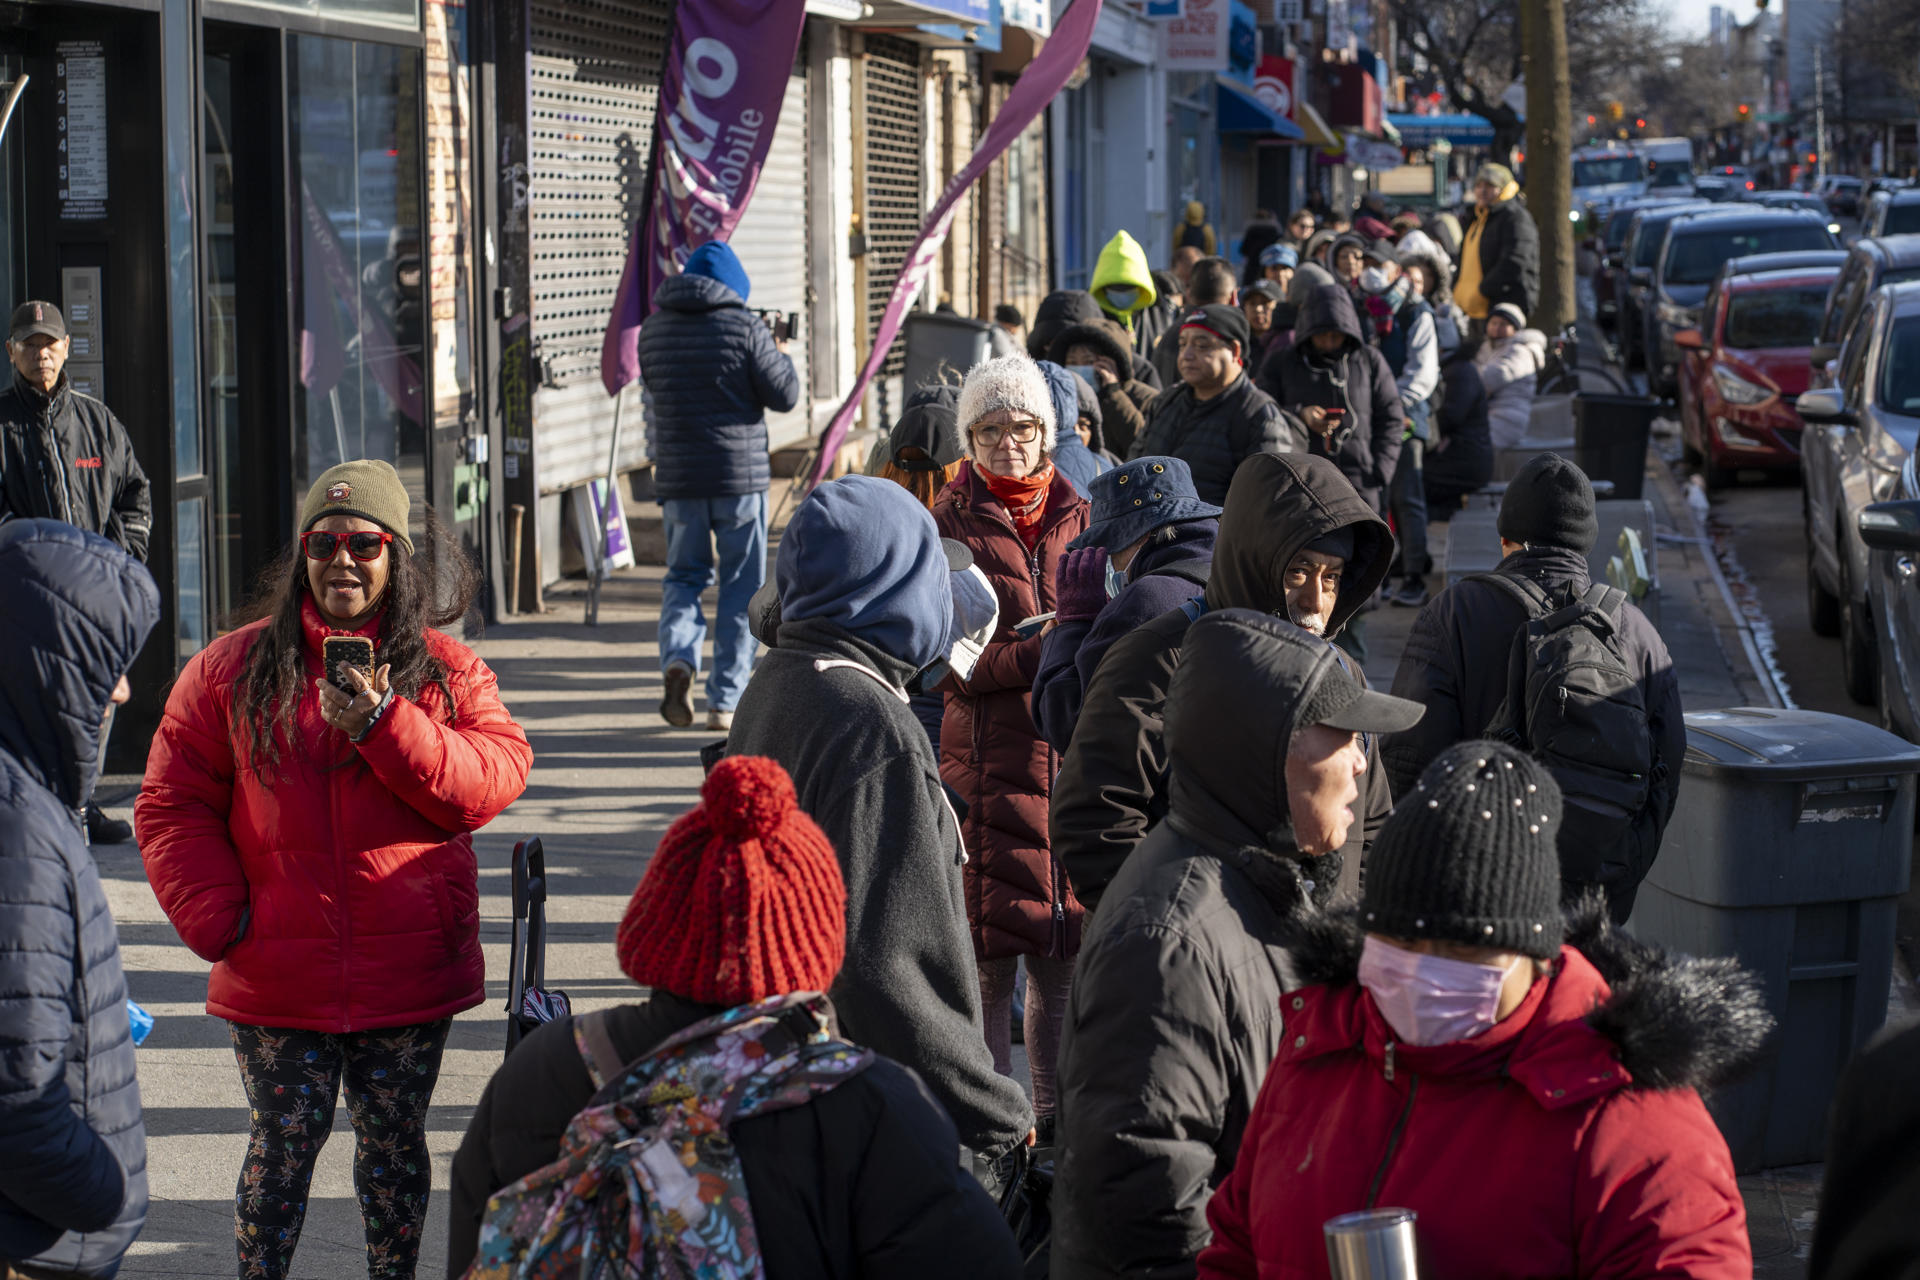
(743, 899)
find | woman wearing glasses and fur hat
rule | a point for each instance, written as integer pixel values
(315, 843)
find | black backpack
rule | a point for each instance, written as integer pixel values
(1575, 704)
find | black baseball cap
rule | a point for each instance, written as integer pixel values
(1229, 324)
(927, 425)
(30, 318)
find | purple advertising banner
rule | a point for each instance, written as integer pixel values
(1044, 77)
(720, 95)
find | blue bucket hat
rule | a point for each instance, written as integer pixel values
(1279, 255)
(1133, 499)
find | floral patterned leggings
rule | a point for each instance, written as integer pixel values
(292, 1078)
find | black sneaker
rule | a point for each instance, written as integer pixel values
(1412, 594)
(104, 830)
(676, 708)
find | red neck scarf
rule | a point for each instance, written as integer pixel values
(1025, 499)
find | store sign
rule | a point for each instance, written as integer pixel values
(1029, 15)
(1166, 10)
(80, 121)
(1369, 154)
(1274, 84)
(1199, 39)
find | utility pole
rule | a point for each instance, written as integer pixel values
(1550, 156)
(1820, 109)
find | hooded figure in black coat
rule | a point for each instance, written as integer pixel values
(1113, 785)
(73, 1151)
(1307, 378)
(1175, 1011)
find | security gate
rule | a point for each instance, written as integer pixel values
(893, 118)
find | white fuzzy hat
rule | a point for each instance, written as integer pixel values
(1009, 382)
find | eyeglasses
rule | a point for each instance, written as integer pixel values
(1023, 432)
(361, 546)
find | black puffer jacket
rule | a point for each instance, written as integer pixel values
(864, 1180)
(1367, 442)
(1065, 307)
(1455, 663)
(1213, 437)
(66, 457)
(1112, 789)
(1175, 1010)
(1510, 256)
(73, 1152)
(712, 374)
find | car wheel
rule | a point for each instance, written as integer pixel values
(1858, 656)
(1823, 607)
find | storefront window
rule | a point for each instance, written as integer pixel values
(355, 111)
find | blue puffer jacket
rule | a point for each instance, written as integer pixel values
(73, 1152)
(712, 373)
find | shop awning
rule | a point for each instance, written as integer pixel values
(1463, 130)
(1316, 130)
(1241, 112)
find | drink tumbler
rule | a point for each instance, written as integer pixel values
(1374, 1245)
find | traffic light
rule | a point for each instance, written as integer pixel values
(1744, 110)
(1640, 122)
(1592, 121)
(1615, 111)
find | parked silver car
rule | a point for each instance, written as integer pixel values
(1891, 531)
(1860, 438)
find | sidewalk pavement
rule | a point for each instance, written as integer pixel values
(608, 778)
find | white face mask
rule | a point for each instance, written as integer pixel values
(1431, 999)
(1374, 280)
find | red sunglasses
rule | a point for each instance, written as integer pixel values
(361, 546)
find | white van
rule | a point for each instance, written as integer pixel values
(1667, 163)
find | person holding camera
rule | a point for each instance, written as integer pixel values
(712, 370)
(306, 823)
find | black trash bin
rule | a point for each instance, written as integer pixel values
(1610, 438)
(1789, 849)
(937, 343)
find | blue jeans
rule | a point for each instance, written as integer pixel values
(695, 527)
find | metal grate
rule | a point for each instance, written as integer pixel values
(594, 81)
(895, 143)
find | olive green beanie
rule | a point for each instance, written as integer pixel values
(368, 488)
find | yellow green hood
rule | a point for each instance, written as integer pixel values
(1123, 263)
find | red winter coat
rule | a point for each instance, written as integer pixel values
(354, 872)
(1018, 900)
(1533, 1150)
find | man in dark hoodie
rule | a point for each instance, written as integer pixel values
(1146, 549)
(1176, 1005)
(866, 604)
(712, 373)
(1064, 308)
(73, 1152)
(1101, 345)
(1216, 418)
(1456, 660)
(1295, 541)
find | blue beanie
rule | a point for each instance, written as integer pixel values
(717, 261)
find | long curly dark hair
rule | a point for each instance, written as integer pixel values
(434, 587)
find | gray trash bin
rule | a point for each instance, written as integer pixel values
(1789, 849)
(933, 340)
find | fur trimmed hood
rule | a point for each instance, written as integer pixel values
(1675, 1021)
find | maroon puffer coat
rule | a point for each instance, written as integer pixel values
(1018, 900)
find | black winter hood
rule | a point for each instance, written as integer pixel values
(78, 608)
(694, 293)
(1277, 505)
(1328, 307)
(1677, 1021)
(1058, 310)
(1245, 684)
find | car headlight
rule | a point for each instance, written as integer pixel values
(1677, 317)
(1833, 228)
(1735, 389)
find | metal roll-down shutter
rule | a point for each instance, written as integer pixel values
(894, 117)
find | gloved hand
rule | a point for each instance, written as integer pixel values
(1080, 584)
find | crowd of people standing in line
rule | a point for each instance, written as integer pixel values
(1285, 937)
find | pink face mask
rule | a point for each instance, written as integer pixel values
(1430, 999)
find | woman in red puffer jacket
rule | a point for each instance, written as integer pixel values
(1017, 513)
(316, 846)
(1530, 1094)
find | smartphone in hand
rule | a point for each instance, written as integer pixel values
(1033, 626)
(338, 653)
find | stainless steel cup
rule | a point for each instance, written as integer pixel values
(1375, 1245)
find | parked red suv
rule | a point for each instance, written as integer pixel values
(1742, 369)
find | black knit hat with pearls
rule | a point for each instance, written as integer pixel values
(1469, 855)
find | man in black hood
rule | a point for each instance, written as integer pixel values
(1175, 1012)
(1295, 541)
(1064, 308)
